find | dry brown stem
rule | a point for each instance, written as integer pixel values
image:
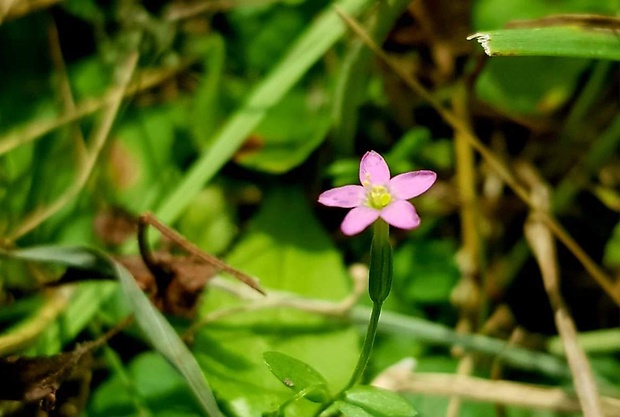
(470, 253)
(149, 219)
(542, 244)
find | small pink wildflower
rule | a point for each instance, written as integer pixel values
(379, 196)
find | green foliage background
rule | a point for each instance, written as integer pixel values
(234, 118)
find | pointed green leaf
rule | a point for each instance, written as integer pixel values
(379, 402)
(297, 375)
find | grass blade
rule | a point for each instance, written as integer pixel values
(306, 51)
(564, 41)
(155, 327)
(166, 341)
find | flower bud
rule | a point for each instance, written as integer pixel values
(380, 270)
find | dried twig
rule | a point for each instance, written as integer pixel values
(276, 299)
(148, 219)
(401, 378)
(541, 241)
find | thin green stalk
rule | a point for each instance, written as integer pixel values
(364, 357)
(369, 341)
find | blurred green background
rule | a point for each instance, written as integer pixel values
(226, 119)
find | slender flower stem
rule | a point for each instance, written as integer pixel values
(362, 362)
(379, 285)
(369, 341)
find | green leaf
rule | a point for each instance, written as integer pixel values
(265, 33)
(71, 256)
(379, 402)
(84, 9)
(85, 303)
(304, 262)
(350, 410)
(141, 167)
(208, 221)
(611, 257)
(425, 271)
(530, 85)
(297, 375)
(164, 339)
(563, 41)
(288, 134)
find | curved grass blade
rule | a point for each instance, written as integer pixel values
(306, 51)
(155, 327)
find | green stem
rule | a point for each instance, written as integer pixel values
(369, 341)
(379, 284)
(362, 362)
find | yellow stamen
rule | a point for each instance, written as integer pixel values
(378, 197)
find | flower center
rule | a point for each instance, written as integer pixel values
(378, 197)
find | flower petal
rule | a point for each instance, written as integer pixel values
(401, 214)
(347, 196)
(373, 169)
(411, 184)
(358, 219)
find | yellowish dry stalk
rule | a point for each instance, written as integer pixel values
(470, 253)
(542, 244)
(400, 378)
(11, 9)
(87, 164)
(26, 333)
(34, 130)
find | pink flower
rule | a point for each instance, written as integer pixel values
(379, 196)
